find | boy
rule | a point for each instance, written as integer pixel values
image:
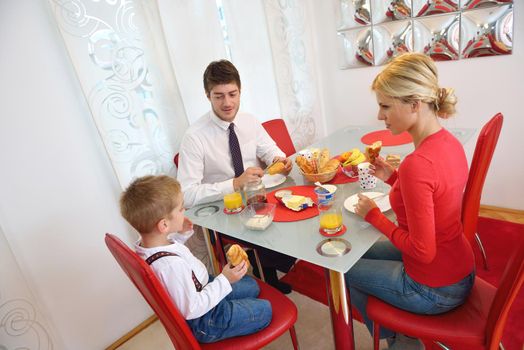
(215, 308)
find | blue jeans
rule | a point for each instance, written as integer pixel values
(380, 272)
(239, 313)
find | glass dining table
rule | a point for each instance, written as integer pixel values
(302, 240)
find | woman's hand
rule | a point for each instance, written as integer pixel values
(381, 169)
(234, 274)
(364, 205)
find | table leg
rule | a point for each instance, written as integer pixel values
(214, 249)
(340, 310)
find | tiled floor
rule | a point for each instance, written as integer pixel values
(313, 331)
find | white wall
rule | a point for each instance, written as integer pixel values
(484, 87)
(58, 193)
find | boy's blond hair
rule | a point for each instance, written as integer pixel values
(148, 200)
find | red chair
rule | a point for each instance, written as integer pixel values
(477, 324)
(142, 276)
(276, 128)
(175, 159)
(486, 143)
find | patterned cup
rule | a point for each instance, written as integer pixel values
(366, 180)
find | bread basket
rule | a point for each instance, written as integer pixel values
(320, 177)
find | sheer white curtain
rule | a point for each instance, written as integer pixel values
(294, 61)
(119, 54)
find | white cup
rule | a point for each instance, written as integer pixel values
(366, 180)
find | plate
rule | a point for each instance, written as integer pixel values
(273, 180)
(383, 203)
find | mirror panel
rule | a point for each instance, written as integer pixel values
(372, 32)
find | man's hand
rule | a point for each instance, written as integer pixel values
(234, 274)
(251, 174)
(288, 164)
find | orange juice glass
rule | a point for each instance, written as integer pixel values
(330, 218)
(233, 202)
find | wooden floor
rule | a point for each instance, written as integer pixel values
(511, 215)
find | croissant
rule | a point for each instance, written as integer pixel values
(276, 168)
(236, 255)
(306, 166)
(331, 165)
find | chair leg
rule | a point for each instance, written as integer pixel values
(481, 247)
(501, 346)
(294, 339)
(376, 336)
(442, 345)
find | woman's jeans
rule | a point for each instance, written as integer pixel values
(239, 313)
(380, 272)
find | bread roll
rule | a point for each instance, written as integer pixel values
(235, 255)
(373, 151)
(331, 165)
(276, 168)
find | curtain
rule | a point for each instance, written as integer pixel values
(119, 54)
(294, 61)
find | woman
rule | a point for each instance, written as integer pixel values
(426, 266)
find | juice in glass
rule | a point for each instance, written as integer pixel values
(233, 202)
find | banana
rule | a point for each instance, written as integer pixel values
(355, 153)
(360, 159)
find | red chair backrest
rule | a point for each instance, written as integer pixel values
(510, 284)
(175, 160)
(276, 128)
(152, 290)
(484, 149)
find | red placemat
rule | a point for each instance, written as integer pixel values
(387, 138)
(283, 214)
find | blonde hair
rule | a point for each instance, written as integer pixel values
(148, 200)
(413, 77)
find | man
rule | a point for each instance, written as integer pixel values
(223, 150)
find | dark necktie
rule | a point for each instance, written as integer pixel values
(236, 154)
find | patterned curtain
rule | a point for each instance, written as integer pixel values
(118, 50)
(293, 60)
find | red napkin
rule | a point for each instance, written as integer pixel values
(387, 138)
(283, 214)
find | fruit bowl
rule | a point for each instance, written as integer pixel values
(320, 177)
(258, 216)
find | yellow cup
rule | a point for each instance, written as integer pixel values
(233, 202)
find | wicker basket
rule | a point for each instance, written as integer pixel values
(321, 177)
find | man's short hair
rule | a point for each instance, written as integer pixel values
(148, 200)
(220, 72)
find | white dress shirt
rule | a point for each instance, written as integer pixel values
(175, 273)
(205, 167)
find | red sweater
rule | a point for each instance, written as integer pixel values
(426, 196)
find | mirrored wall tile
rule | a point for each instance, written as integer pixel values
(354, 13)
(390, 10)
(474, 4)
(434, 7)
(438, 36)
(391, 40)
(487, 32)
(356, 48)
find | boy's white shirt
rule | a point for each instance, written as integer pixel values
(175, 273)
